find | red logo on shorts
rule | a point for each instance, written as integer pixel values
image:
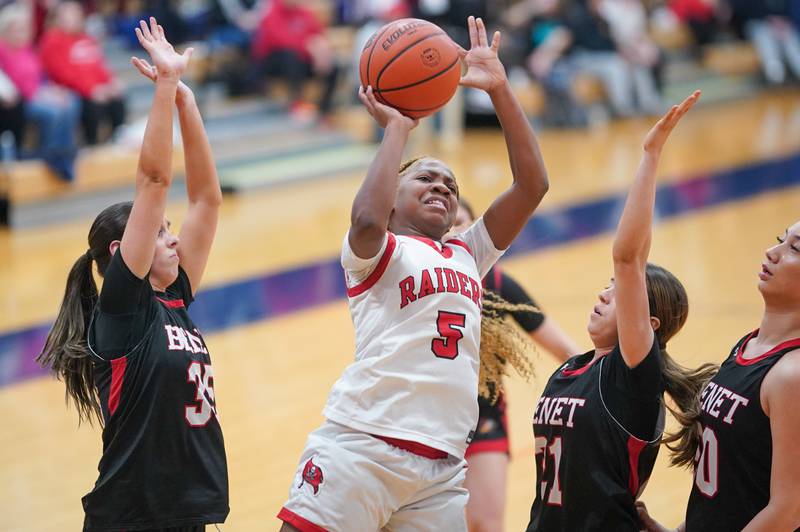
(311, 474)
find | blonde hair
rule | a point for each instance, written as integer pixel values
(503, 344)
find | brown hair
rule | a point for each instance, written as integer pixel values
(65, 351)
(503, 344)
(669, 303)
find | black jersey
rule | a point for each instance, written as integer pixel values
(163, 462)
(732, 472)
(597, 428)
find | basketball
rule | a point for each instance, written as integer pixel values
(412, 65)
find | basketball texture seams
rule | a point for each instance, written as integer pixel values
(412, 65)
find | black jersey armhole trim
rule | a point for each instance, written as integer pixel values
(145, 336)
(660, 422)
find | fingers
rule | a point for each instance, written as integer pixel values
(482, 40)
(187, 54)
(473, 32)
(367, 98)
(461, 52)
(144, 67)
(161, 33)
(154, 29)
(145, 31)
(496, 41)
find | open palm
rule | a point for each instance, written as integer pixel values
(484, 69)
(168, 62)
(659, 134)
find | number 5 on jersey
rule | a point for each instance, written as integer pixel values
(449, 325)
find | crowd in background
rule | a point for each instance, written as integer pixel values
(56, 83)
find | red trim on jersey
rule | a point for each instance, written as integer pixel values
(635, 446)
(172, 303)
(788, 344)
(461, 243)
(413, 447)
(488, 446)
(581, 370)
(383, 263)
(117, 378)
(445, 252)
(300, 523)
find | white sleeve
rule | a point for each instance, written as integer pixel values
(356, 268)
(483, 250)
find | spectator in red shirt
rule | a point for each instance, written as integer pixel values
(290, 43)
(53, 109)
(75, 60)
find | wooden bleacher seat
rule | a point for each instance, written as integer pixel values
(101, 168)
(732, 58)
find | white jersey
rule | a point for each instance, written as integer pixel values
(416, 308)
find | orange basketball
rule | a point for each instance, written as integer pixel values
(412, 65)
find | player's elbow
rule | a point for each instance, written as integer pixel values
(785, 513)
(154, 176)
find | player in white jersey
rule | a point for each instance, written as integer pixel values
(390, 454)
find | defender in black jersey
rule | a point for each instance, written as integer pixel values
(131, 356)
(599, 420)
(747, 466)
(488, 453)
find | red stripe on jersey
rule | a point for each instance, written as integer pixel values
(635, 446)
(487, 446)
(301, 524)
(788, 344)
(445, 252)
(581, 370)
(460, 243)
(383, 263)
(117, 378)
(172, 303)
(413, 447)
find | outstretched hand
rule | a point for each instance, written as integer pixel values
(183, 94)
(484, 69)
(383, 114)
(168, 63)
(658, 135)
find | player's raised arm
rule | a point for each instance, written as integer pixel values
(202, 184)
(154, 173)
(369, 217)
(509, 213)
(632, 243)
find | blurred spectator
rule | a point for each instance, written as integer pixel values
(627, 20)
(290, 43)
(12, 112)
(574, 37)
(53, 109)
(700, 16)
(75, 60)
(768, 26)
(232, 23)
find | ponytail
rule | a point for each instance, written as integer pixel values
(684, 386)
(65, 352)
(503, 344)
